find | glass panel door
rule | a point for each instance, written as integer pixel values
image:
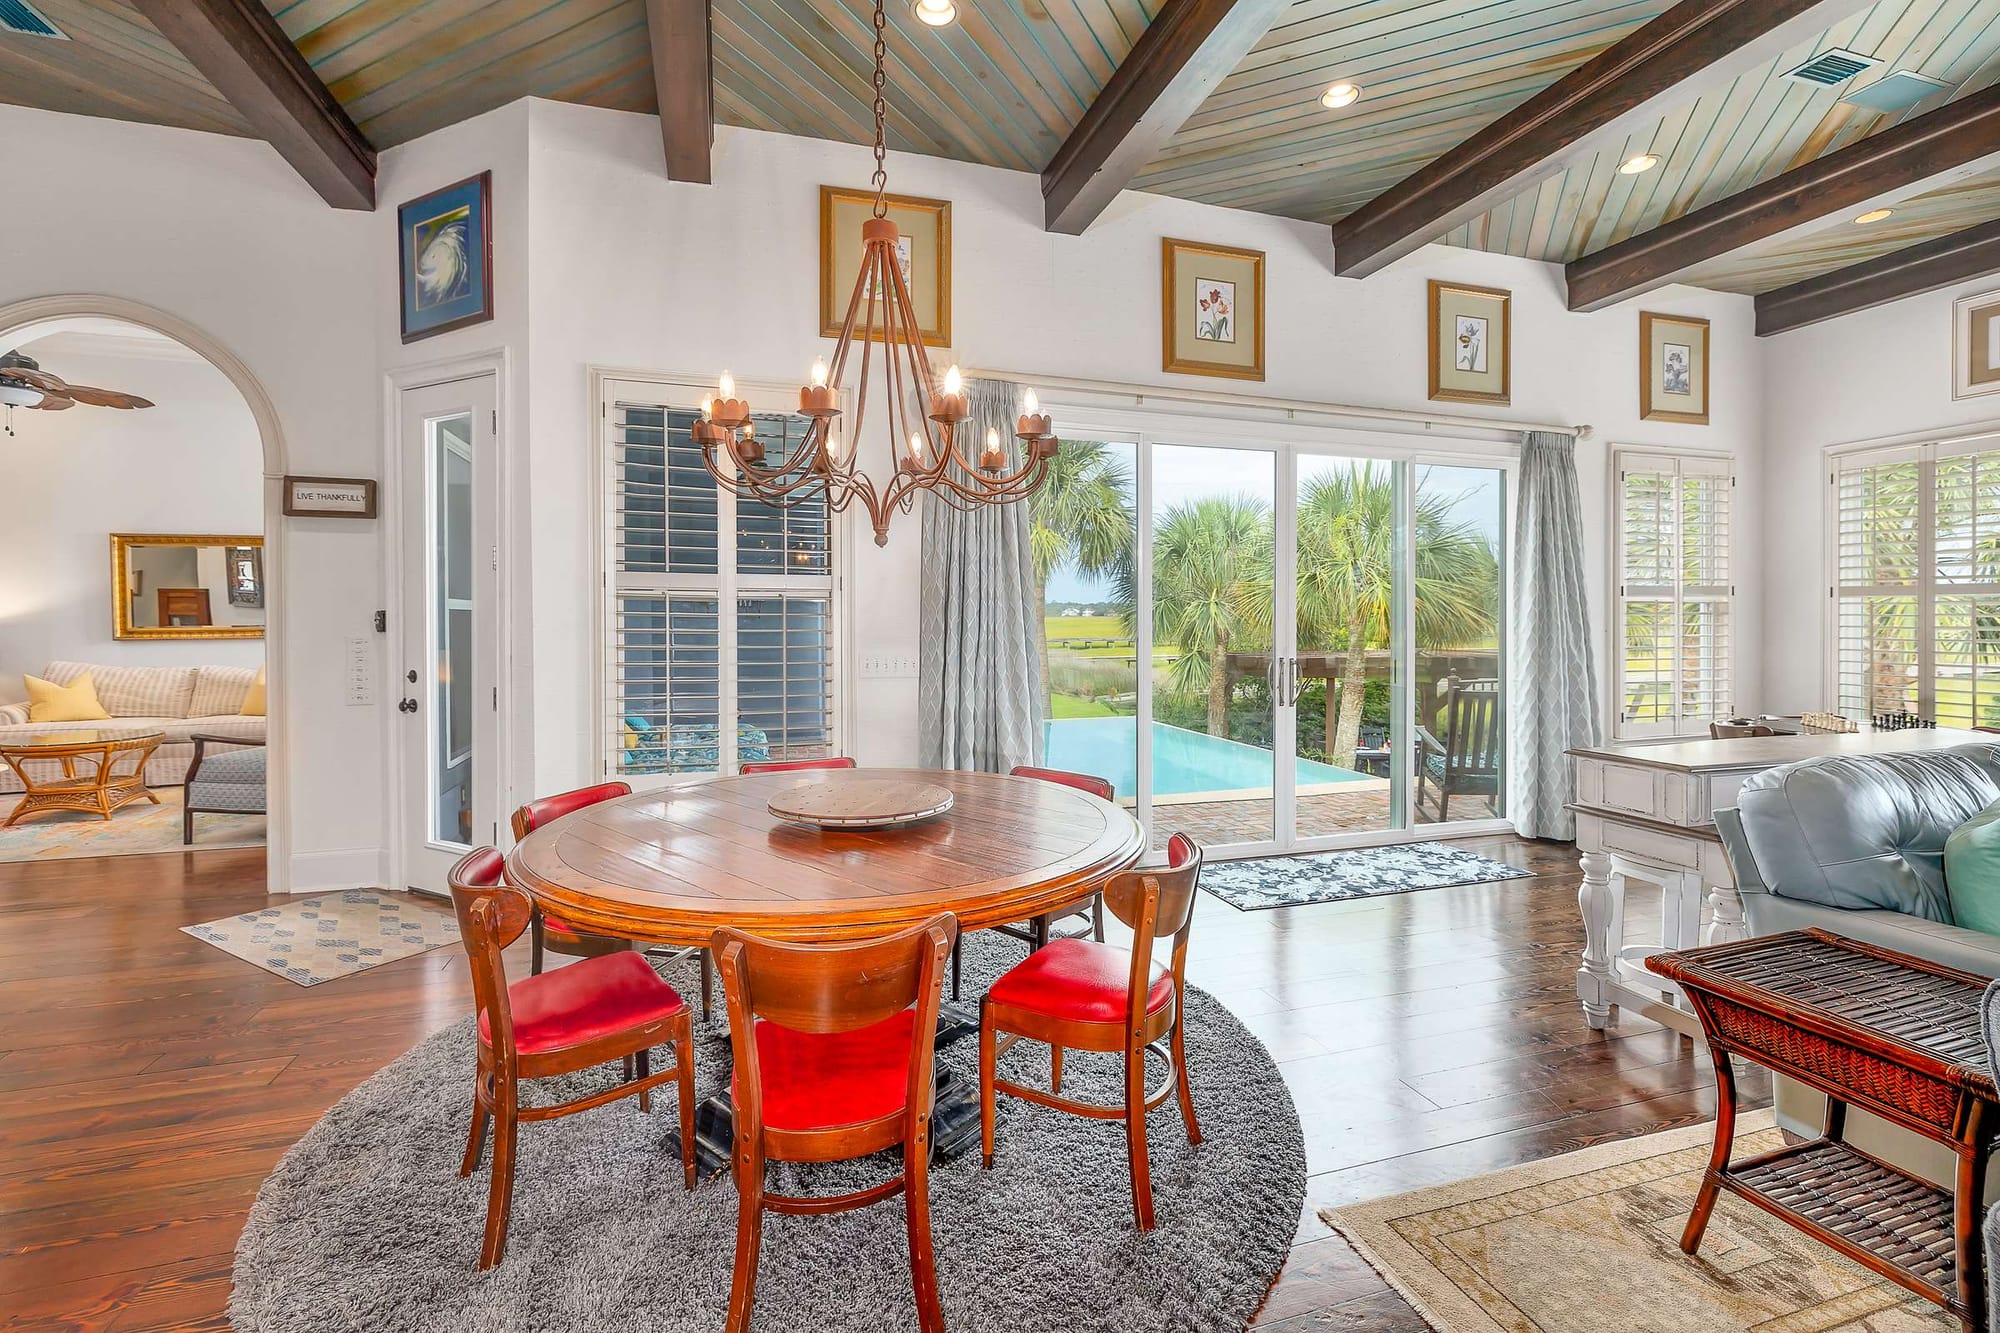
(1458, 519)
(451, 614)
(1338, 682)
(1211, 590)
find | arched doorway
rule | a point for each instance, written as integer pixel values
(39, 317)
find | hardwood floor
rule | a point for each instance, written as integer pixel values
(149, 1082)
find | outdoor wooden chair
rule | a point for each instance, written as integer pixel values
(1466, 761)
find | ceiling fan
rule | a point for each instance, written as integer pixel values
(23, 383)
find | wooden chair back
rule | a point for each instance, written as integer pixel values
(1154, 903)
(551, 808)
(1472, 740)
(797, 765)
(827, 988)
(1096, 786)
(1729, 731)
(491, 915)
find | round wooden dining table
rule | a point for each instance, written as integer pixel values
(673, 863)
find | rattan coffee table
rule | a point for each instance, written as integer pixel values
(113, 764)
(1894, 1035)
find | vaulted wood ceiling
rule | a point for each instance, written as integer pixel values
(1009, 82)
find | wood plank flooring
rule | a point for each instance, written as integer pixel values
(149, 1082)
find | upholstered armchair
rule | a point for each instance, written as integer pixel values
(226, 776)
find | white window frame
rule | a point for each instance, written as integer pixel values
(1928, 586)
(1624, 459)
(725, 585)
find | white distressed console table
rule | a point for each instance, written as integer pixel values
(1647, 812)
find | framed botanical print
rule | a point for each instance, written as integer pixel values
(923, 252)
(1472, 344)
(1673, 368)
(1975, 345)
(1211, 310)
(446, 250)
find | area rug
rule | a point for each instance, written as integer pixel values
(333, 935)
(141, 829)
(1590, 1241)
(1324, 877)
(366, 1224)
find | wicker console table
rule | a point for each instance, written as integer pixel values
(1894, 1035)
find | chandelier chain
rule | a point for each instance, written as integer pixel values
(881, 177)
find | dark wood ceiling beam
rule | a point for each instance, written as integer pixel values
(1694, 45)
(683, 82)
(1918, 155)
(1184, 53)
(1912, 271)
(240, 48)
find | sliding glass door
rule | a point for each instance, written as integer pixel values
(1271, 646)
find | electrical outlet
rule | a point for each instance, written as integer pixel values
(887, 666)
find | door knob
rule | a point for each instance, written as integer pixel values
(411, 675)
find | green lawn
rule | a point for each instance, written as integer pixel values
(1069, 705)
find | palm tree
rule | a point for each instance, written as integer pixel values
(1211, 589)
(1080, 519)
(1346, 571)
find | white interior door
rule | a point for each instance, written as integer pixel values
(447, 677)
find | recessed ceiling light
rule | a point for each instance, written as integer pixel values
(1874, 215)
(1643, 162)
(936, 13)
(1340, 95)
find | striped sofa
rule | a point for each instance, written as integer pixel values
(179, 701)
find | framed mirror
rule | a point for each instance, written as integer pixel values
(174, 586)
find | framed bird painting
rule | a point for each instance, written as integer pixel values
(446, 243)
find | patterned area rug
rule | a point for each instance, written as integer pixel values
(333, 935)
(141, 829)
(1590, 1241)
(1293, 881)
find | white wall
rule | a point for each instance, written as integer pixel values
(190, 463)
(634, 271)
(1878, 373)
(221, 233)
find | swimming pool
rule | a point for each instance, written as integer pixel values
(1184, 762)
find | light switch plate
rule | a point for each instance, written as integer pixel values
(887, 666)
(360, 665)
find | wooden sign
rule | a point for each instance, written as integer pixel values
(329, 497)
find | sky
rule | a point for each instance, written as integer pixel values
(1182, 473)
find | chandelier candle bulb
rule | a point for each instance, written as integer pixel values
(727, 410)
(992, 457)
(817, 398)
(952, 402)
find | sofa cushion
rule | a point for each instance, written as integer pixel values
(1972, 871)
(133, 691)
(220, 690)
(1866, 831)
(74, 702)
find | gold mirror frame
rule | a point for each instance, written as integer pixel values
(121, 602)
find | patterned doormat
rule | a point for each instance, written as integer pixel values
(333, 935)
(1365, 872)
(1590, 1241)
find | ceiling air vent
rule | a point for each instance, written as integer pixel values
(22, 17)
(1827, 68)
(1897, 92)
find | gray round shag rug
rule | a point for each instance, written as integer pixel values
(366, 1223)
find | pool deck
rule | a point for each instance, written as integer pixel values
(1212, 823)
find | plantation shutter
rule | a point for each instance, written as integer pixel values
(1675, 602)
(720, 612)
(1917, 583)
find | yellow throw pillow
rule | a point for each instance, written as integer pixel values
(253, 702)
(74, 702)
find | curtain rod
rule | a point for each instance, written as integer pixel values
(1289, 405)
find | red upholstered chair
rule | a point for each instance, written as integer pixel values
(551, 934)
(1038, 932)
(837, 1065)
(797, 765)
(1087, 996)
(611, 1007)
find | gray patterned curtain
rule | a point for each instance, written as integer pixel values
(1554, 691)
(979, 678)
